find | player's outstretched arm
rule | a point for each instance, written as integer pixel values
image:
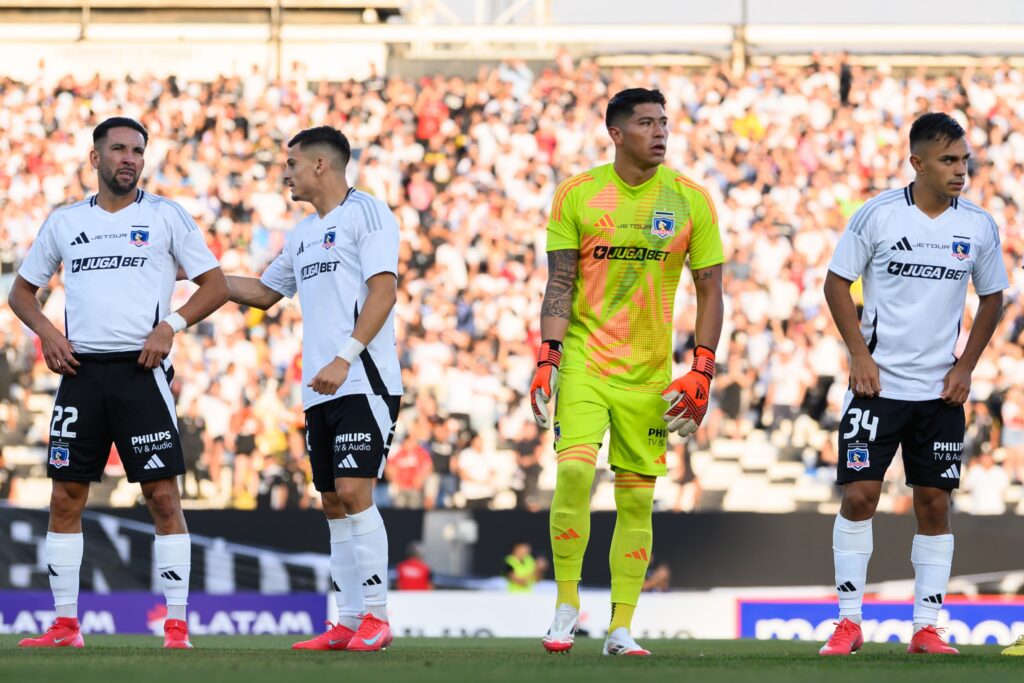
(688, 395)
(864, 379)
(250, 291)
(57, 350)
(380, 299)
(956, 387)
(211, 295)
(555, 313)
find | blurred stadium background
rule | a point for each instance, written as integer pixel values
(464, 115)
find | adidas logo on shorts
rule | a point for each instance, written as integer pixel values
(154, 463)
(348, 463)
(952, 473)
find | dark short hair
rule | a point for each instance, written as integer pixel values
(935, 126)
(100, 131)
(324, 135)
(621, 106)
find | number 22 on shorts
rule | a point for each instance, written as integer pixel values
(861, 419)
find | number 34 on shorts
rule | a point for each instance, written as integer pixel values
(858, 454)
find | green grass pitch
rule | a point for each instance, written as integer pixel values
(268, 659)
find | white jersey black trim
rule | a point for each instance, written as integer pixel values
(915, 271)
(327, 262)
(120, 268)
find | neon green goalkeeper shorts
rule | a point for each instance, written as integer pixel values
(586, 407)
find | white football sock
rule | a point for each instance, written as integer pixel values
(63, 556)
(173, 554)
(932, 557)
(348, 589)
(851, 547)
(370, 539)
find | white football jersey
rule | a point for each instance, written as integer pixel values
(915, 271)
(119, 268)
(328, 261)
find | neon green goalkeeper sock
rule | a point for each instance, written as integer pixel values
(632, 541)
(570, 518)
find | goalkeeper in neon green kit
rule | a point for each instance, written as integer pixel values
(618, 238)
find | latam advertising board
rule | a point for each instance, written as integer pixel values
(977, 622)
(235, 614)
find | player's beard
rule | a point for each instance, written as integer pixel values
(117, 185)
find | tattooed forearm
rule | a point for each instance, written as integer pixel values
(561, 278)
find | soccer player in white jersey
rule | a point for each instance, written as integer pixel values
(121, 250)
(343, 262)
(915, 248)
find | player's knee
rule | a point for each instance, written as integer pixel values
(634, 502)
(163, 501)
(67, 500)
(933, 512)
(858, 504)
(575, 476)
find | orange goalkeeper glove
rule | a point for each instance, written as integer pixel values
(544, 381)
(688, 395)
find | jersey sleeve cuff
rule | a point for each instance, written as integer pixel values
(32, 281)
(279, 290)
(993, 290)
(205, 268)
(843, 273)
(707, 264)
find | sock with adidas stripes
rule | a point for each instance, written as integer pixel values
(370, 545)
(932, 557)
(632, 541)
(173, 554)
(570, 519)
(852, 543)
(63, 556)
(348, 587)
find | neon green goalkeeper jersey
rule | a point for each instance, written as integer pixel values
(632, 243)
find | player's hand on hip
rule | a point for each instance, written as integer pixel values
(956, 386)
(864, 380)
(157, 346)
(688, 395)
(58, 354)
(545, 380)
(330, 378)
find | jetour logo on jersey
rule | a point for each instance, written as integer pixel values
(81, 265)
(139, 236)
(663, 224)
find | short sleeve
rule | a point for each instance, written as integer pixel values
(376, 239)
(187, 244)
(705, 240)
(853, 251)
(280, 274)
(989, 272)
(563, 223)
(43, 257)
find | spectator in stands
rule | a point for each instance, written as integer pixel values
(413, 573)
(522, 571)
(986, 483)
(407, 469)
(7, 484)
(476, 475)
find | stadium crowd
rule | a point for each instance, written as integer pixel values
(469, 166)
